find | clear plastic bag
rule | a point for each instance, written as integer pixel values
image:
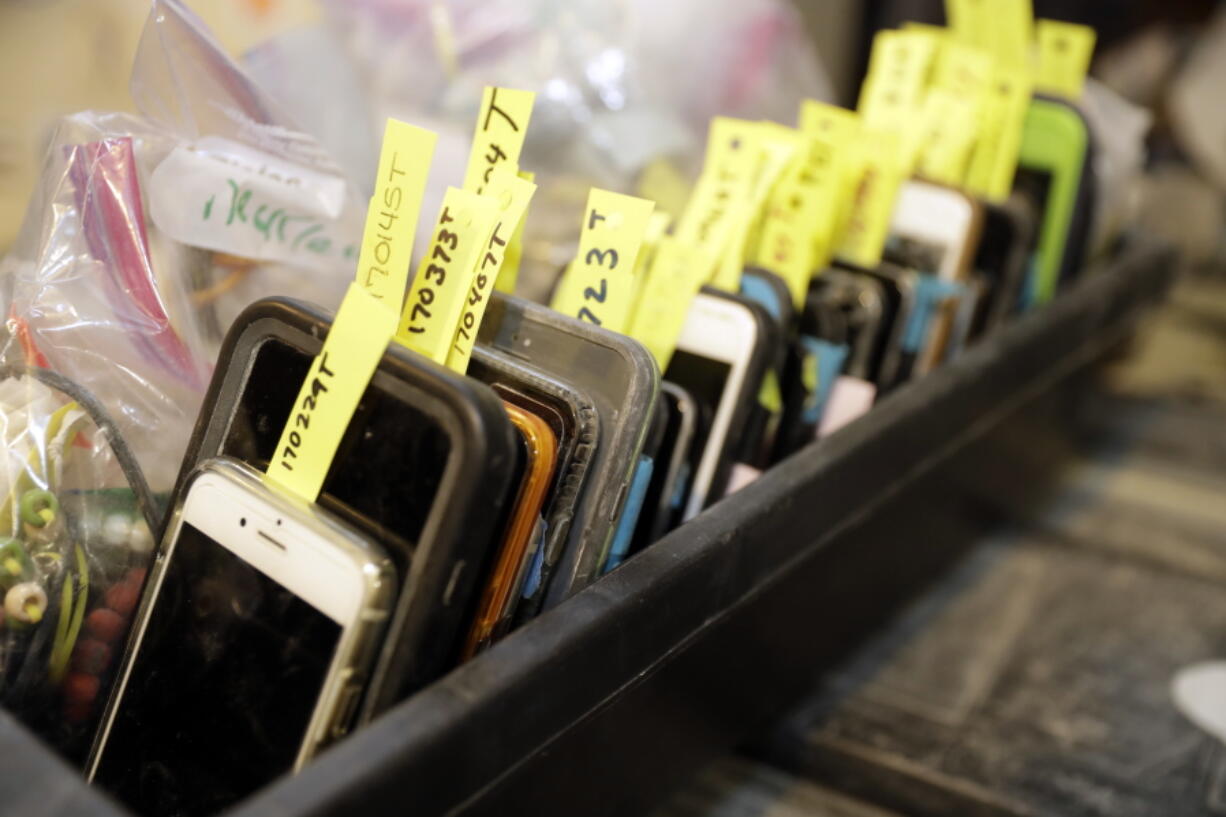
(620, 86)
(144, 239)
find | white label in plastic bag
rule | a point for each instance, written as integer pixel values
(225, 196)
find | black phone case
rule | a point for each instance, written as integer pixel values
(575, 459)
(1004, 262)
(1077, 244)
(465, 521)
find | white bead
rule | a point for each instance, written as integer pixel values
(116, 529)
(140, 540)
(25, 602)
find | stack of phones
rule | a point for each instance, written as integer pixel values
(460, 506)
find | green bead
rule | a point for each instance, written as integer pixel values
(15, 561)
(39, 508)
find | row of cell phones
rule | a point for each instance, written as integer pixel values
(460, 506)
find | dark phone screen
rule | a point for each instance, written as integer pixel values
(705, 379)
(222, 691)
(386, 475)
(1035, 185)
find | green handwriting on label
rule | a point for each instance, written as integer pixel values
(238, 208)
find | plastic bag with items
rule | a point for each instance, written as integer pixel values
(146, 237)
(625, 90)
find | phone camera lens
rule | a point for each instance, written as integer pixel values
(242, 522)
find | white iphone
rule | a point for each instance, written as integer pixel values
(718, 360)
(249, 650)
(935, 229)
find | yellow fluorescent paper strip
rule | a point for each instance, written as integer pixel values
(1065, 51)
(391, 219)
(723, 187)
(876, 189)
(364, 324)
(512, 195)
(674, 278)
(508, 275)
(499, 136)
(778, 146)
(599, 286)
(436, 298)
(333, 387)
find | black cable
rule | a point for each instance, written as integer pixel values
(145, 500)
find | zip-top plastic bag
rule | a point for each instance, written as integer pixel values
(147, 235)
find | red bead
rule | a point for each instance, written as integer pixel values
(77, 713)
(92, 656)
(80, 688)
(122, 597)
(105, 624)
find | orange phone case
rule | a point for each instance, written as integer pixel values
(511, 562)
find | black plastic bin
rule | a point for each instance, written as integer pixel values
(603, 705)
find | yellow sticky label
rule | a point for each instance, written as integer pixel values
(835, 174)
(1065, 51)
(789, 239)
(770, 396)
(509, 274)
(1011, 32)
(663, 183)
(950, 125)
(672, 281)
(877, 181)
(657, 228)
(1002, 28)
(723, 188)
(599, 286)
(331, 391)
(898, 74)
(499, 137)
(436, 298)
(391, 218)
(994, 161)
(512, 194)
(778, 146)
(970, 20)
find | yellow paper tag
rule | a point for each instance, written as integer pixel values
(672, 281)
(799, 217)
(509, 274)
(950, 126)
(994, 161)
(723, 189)
(778, 146)
(512, 194)
(331, 391)
(436, 298)
(657, 229)
(1011, 32)
(1065, 51)
(898, 75)
(834, 172)
(970, 20)
(770, 396)
(876, 188)
(599, 286)
(663, 183)
(499, 137)
(391, 219)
